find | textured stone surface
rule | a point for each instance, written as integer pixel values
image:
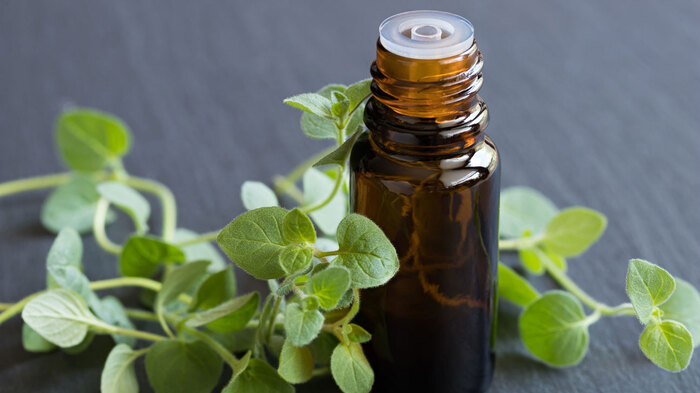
(593, 102)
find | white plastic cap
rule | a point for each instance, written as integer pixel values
(426, 34)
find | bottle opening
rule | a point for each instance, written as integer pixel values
(426, 34)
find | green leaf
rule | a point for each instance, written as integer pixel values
(258, 377)
(203, 251)
(339, 104)
(312, 103)
(356, 333)
(366, 252)
(33, 342)
(302, 325)
(228, 317)
(524, 209)
(142, 255)
(530, 259)
(317, 127)
(648, 286)
(358, 91)
(294, 258)
(60, 316)
(111, 310)
(214, 290)
(558, 260)
(178, 281)
(66, 250)
(514, 288)
(554, 328)
(340, 155)
(175, 366)
(317, 187)
(329, 285)
(296, 364)
(88, 140)
(69, 277)
(684, 307)
(128, 200)
(297, 227)
(72, 205)
(668, 344)
(573, 230)
(80, 348)
(356, 121)
(118, 375)
(322, 348)
(254, 240)
(255, 194)
(350, 369)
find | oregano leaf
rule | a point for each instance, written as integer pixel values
(128, 200)
(296, 364)
(178, 281)
(358, 91)
(350, 369)
(229, 316)
(530, 259)
(302, 325)
(118, 375)
(316, 127)
(255, 194)
(514, 288)
(366, 252)
(258, 377)
(339, 104)
(524, 209)
(66, 250)
(573, 230)
(214, 290)
(648, 286)
(340, 155)
(254, 240)
(668, 344)
(192, 367)
(329, 285)
(684, 306)
(356, 333)
(73, 205)
(294, 258)
(317, 187)
(34, 342)
(312, 103)
(297, 227)
(203, 251)
(142, 255)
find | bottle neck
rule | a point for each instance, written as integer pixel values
(426, 108)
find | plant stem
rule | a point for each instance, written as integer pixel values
(141, 314)
(33, 183)
(520, 243)
(353, 310)
(216, 346)
(17, 307)
(273, 317)
(98, 228)
(283, 184)
(322, 254)
(167, 201)
(320, 371)
(336, 186)
(135, 333)
(205, 237)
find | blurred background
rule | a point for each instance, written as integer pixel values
(594, 103)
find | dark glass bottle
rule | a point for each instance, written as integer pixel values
(429, 177)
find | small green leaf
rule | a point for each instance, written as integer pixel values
(254, 240)
(301, 325)
(648, 286)
(684, 307)
(318, 127)
(340, 155)
(69, 277)
(317, 187)
(366, 252)
(203, 251)
(554, 328)
(668, 345)
(558, 260)
(356, 121)
(329, 285)
(88, 140)
(322, 348)
(258, 377)
(356, 333)
(297, 227)
(142, 255)
(111, 310)
(530, 259)
(192, 367)
(80, 348)
(178, 281)
(33, 342)
(310, 303)
(339, 104)
(214, 290)
(118, 375)
(72, 205)
(66, 250)
(229, 316)
(294, 259)
(358, 91)
(573, 230)
(515, 288)
(350, 369)
(524, 209)
(312, 103)
(296, 363)
(128, 200)
(255, 194)
(60, 316)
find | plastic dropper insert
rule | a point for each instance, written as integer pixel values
(426, 34)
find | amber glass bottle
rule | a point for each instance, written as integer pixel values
(429, 177)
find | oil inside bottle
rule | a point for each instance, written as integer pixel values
(429, 177)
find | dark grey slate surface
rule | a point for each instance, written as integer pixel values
(593, 102)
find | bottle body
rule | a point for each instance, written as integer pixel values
(430, 178)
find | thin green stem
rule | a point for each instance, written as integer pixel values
(205, 237)
(216, 346)
(340, 172)
(164, 324)
(98, 228)
(322, 254)
(167, 201)
(273, 317)
(353, 310)
(33, 183)
(320, 371)
(520, 243)
(141, 314)
(283, 183)
(591, 319)
(133, 282)
(17, 307)
(283, 186)
(135, 333)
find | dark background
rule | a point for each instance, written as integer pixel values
(593, 102)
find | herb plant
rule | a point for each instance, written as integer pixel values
(315, 257)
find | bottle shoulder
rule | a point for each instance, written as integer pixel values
(476, 164)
